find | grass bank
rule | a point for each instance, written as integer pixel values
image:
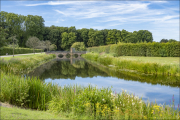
(146, 65)
(23, 64)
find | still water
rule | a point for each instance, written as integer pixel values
(153, 88)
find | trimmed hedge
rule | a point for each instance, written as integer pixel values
(153, 49)
(9, 50)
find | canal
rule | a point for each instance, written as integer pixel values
(161, 89)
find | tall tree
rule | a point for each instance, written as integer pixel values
(124, 34)
(3, 40)
(84, 35)
(118, 36)
(54, 37)
(91, 36)
(71, 38)
(64, 42)
(111, 38)
(99, 38)
(34, 26)
(144, 35)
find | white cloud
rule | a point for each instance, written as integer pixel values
(109, 14)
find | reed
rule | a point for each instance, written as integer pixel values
(77, 101)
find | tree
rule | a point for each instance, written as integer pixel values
(32, 42)
(118, 36)
(34, 26)
(164, 40)
(84, 35)
(3, 35)
(172, 40)
(144, 35)
(41, 45)
(124, 34)
(79, 46)
(47, 44)
(71, 38)
(99, 38)
(53, 47)
(14, 40)
(111, 38)
(91, 36)
(64, 42)
(132, 37)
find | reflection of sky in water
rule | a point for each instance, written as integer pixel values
(162, 94)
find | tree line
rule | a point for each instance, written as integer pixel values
(24, 27)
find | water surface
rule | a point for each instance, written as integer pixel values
(152, 88)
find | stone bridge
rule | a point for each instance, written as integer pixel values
(64, 54)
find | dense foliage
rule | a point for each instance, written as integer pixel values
(154, 49)
(63, 37)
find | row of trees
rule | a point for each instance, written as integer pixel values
(63, 37)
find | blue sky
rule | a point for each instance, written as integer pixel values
(159, 17)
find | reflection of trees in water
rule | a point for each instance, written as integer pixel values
(64, 70)
(40, 70)
(172, 81)
(79, 64)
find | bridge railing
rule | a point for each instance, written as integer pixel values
(66, 52)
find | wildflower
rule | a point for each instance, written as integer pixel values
(103, 100)
(152, 111)
(133, 103)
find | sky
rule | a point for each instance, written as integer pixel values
(161, 18)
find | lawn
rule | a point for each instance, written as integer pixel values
(159, 60)
(19, 113)
(20, 56)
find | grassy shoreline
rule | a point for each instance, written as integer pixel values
(136, 64)
(75, 101)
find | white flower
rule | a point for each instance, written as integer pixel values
(102, 99)
(133, 103)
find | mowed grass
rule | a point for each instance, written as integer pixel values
(21, 56)
(159, 60)
(19, 113)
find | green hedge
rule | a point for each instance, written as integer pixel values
(9, 50)
(153, 49)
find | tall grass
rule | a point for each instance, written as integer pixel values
(142, 67)
(78, 101)
(24, 65)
